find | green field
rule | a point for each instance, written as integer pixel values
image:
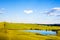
(9, 31)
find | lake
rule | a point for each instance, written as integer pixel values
(43, 32)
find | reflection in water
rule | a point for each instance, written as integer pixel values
(42, 32)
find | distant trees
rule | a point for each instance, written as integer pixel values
(49, 24)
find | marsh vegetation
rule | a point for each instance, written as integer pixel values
(20, 31)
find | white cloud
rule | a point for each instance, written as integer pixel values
(56, 8)
(28, 11)
(2, 10)
(54, 12)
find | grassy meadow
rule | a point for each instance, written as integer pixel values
(9, 31)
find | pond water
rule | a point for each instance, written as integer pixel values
(42, 32)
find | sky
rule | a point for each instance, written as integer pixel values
(30, 11)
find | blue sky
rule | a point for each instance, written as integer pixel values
(30, 11)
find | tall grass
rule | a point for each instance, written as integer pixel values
(10, 32)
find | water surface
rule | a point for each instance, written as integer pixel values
(42, 32)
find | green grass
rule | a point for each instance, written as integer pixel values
(23, 26)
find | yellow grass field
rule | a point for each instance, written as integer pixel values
(9, 31)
